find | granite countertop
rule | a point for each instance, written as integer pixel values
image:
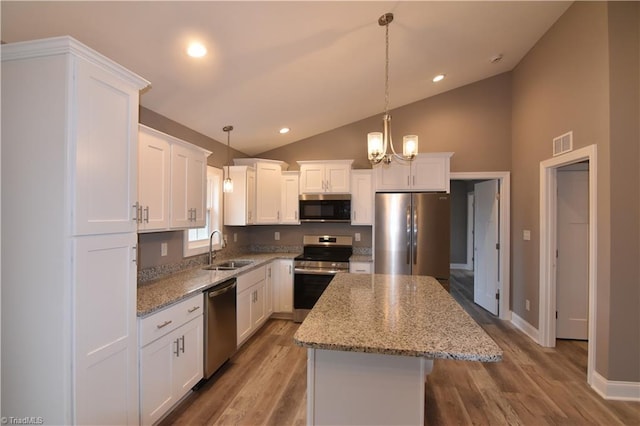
(160, 293)
(394, 315)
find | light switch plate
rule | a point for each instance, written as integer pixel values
(164, 248)
(526, 235)
(277, 236)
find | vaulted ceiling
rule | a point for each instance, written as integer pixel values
(310, 66)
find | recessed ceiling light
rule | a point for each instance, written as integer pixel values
(284, 130)
(196, 50)
(438, 78)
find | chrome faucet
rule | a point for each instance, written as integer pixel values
(212, 254)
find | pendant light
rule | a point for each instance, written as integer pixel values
(227, 183)
(379, 142)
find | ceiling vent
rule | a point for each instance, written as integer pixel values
(563, 143)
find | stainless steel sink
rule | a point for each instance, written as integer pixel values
(228, 265)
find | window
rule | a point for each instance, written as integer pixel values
(196, 241)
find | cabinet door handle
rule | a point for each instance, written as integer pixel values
(408, 181)
(195, 308)
(146, 214)
(289, 269)
(414, 181)
(135, 254)
(164, 324)
(136, 209)
(182, 339)
(177, 351)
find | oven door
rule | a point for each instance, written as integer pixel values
(308, 286)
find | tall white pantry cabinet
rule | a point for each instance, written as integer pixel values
(69, 162)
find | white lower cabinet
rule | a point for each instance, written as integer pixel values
(283, 286)
(251, 303)
(170, 357)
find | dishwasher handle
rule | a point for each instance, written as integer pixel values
(217, 292)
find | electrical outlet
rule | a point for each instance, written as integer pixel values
(357, 236)
(527, 305)
(526, 235)
(277, 236)
(164, 248)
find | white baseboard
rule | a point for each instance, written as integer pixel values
(465, 266)
(525, 327)
(613, 390)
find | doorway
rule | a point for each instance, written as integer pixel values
(549, 246)
(502, 179)
(572, 255)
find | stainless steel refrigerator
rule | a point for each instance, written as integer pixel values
(412, 234)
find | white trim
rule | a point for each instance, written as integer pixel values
(547, 299)
(524, 326)
(458, 266)
(505, 231)
(617, 391)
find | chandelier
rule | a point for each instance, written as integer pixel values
(227, 183)
(379, 142)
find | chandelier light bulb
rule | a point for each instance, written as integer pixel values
(410, 146)
(374, 144)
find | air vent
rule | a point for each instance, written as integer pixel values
(563, 143)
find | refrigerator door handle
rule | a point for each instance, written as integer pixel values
(409, 234)
(415, 235)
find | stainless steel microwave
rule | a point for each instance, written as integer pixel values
(325, 208)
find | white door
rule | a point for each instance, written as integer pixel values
(572, 263)
(486, 284)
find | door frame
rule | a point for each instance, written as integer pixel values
(505, 229)
(548, 245)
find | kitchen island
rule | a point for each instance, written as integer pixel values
(371, 343)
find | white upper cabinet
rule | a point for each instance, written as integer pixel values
(361, 197)
(427, 172)
(105, 155)
(268, 193)
(172, 182)
(289, 198)
(318, 177)
(268, 188)
(154, 167)
(240, 205)
(188, 186)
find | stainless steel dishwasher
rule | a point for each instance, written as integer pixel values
(220, 338)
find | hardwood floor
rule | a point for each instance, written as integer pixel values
(265, 381)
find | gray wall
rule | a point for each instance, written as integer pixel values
(583, 76)
(473, 121)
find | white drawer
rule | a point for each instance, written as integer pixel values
(170, 318)
(250, 278)
(360, 267)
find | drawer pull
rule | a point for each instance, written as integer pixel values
(195, 308)
(164, 324)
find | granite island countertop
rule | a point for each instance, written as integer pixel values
(394, 315)
(160, 293)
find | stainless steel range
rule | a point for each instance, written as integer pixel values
(322, 258)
